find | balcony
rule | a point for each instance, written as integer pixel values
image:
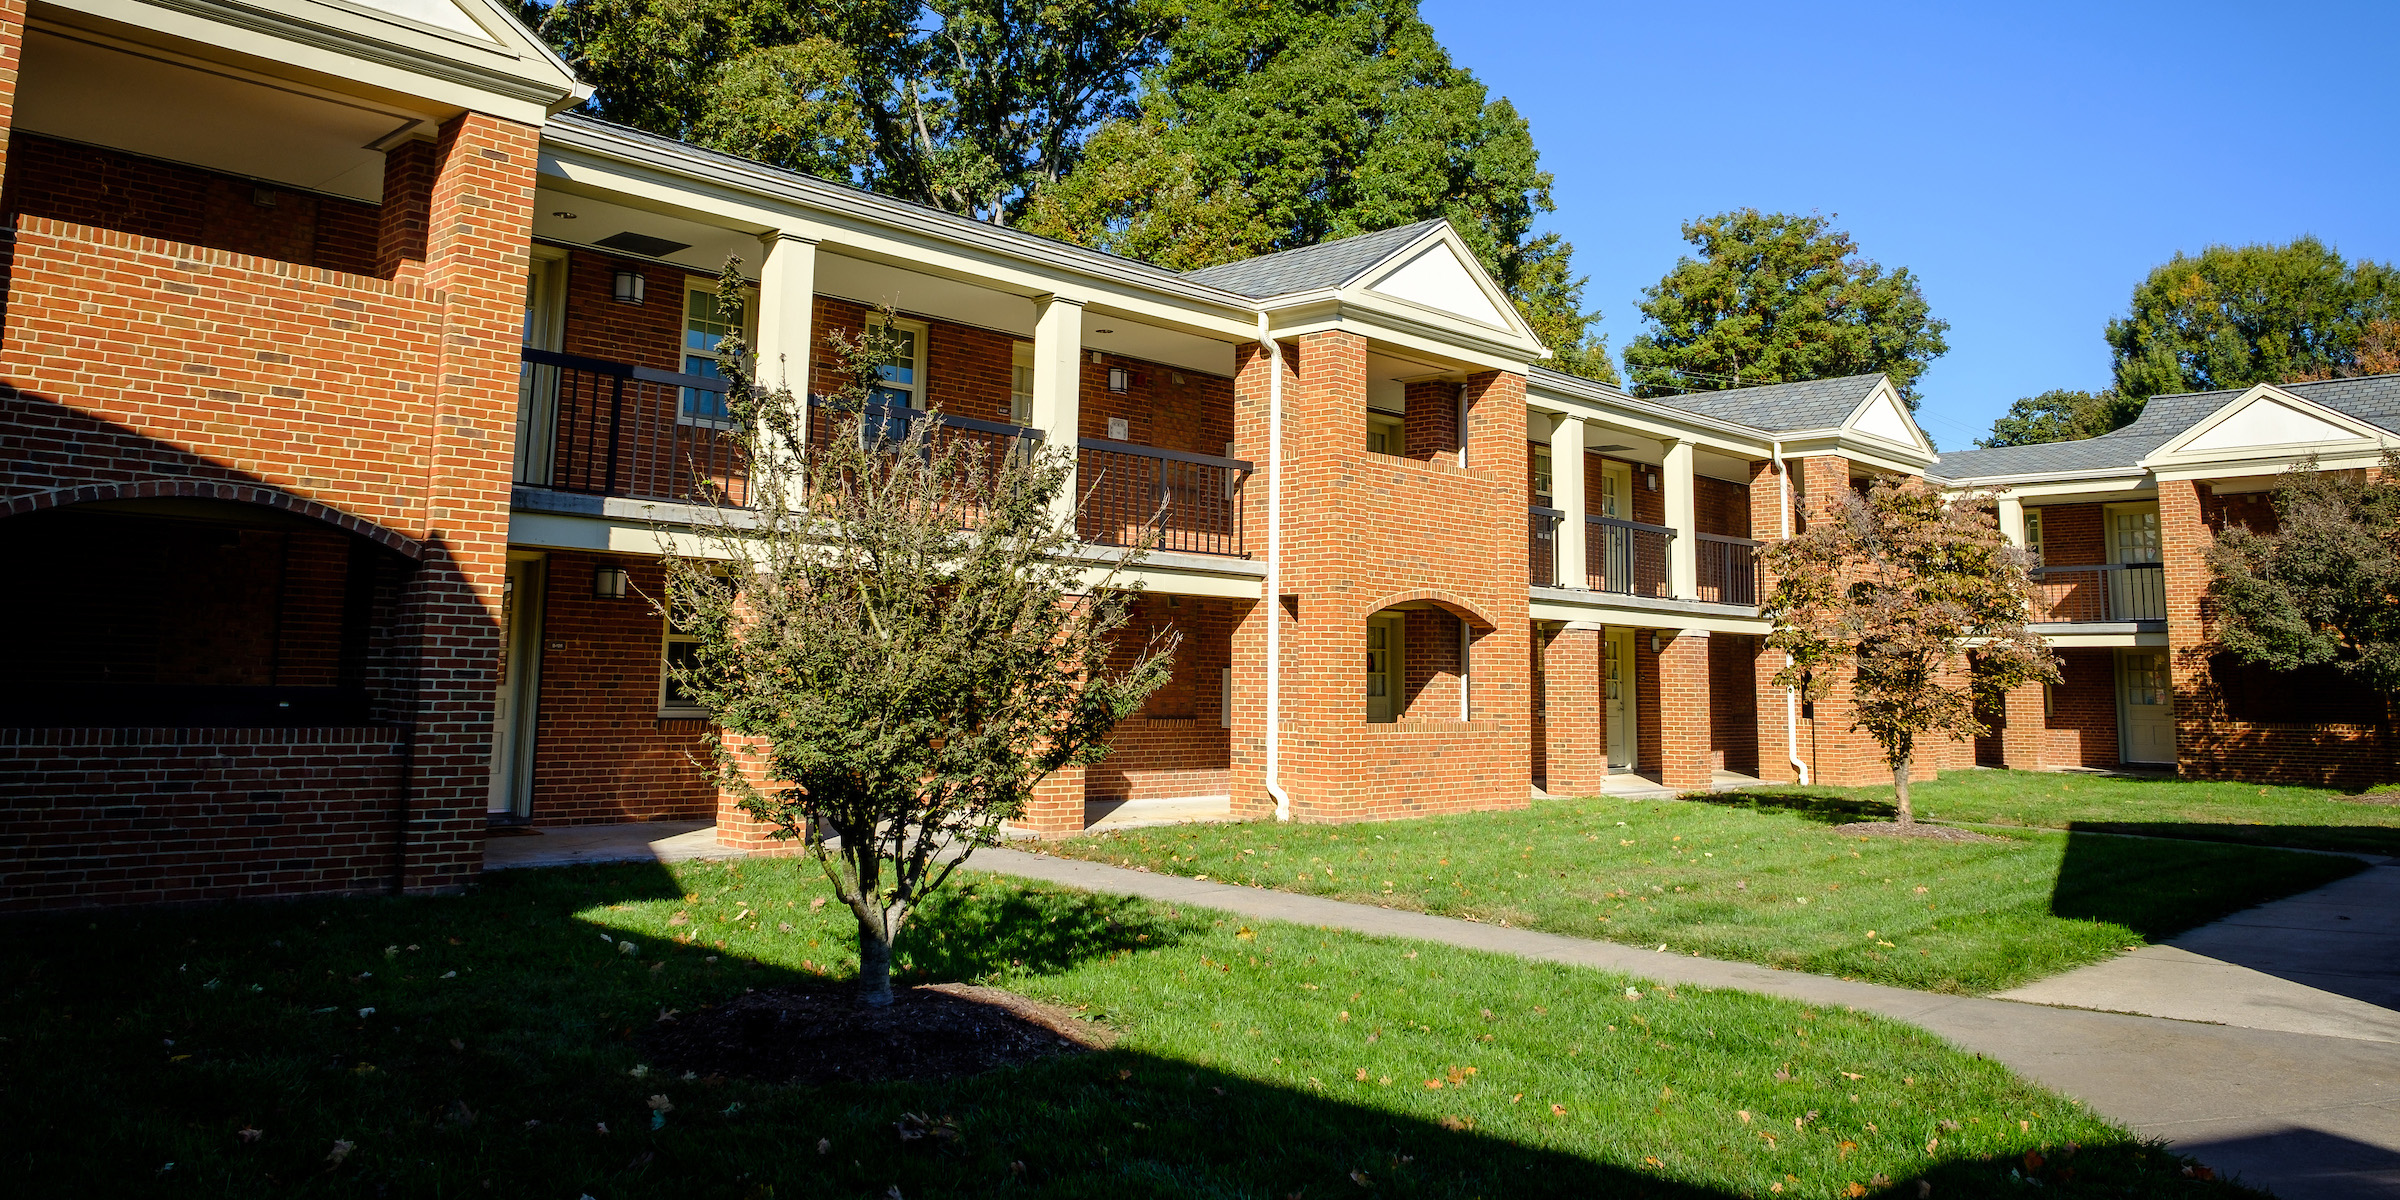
(1728, 569)
(1627, 558)
(1194, 501)
(2106, 593)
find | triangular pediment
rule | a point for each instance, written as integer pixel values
(1882, 415)
(1436, 276)
(448, 15)
(2267, 421)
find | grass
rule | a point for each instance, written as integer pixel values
(475, 1046)
(2205, 810)
(1754, 881)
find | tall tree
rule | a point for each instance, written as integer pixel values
(1779, 298)
(2061, 415)
(1272, 124)
(2238, 315)
(2324, 587)
(911, 675)
(969, 105)
(1900, 591)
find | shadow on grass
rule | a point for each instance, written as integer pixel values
(2161, 887)
(2356, 839)
(1824, 808)
(484, 1045)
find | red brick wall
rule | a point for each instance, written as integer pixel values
(2081, 730)
(144, 816)
(1720, 507)
(12, 53)
(1733, 702)
(649, 334)
(1177, 745)
(1432, 434)
(601, 751)
(1571, 738)
(2071, 535)
(107, 189)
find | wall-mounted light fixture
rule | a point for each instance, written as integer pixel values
(1119, 378)
(1654, 642)
(1653, 478)
(608, 583)
(629, 287)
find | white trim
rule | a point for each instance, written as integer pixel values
(2365, 438)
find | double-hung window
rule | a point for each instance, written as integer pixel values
(703, 328)
(904, 375)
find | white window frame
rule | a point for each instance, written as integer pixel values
(1020, 383)
(2033, 535)
(1392, 427)
(916, 388)
(1545, 475)
(683, 353)
(667, 707)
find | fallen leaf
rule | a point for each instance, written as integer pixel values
(340, 1151)
(248, 1134)
(816, 904)
(1558, 1110)
(1744, 1115)
(1855, 1190)
(1360, 1178)
(1852, 1075)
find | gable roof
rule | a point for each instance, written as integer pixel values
(2374, 399)
(1313, 268)
(1783, 407)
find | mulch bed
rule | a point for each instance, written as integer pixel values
(1938, 833)
(821, 1035)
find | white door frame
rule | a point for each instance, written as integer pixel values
(2125, 717)
(1622, 710)
(516, 702)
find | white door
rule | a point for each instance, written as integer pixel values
(1608, 546)
(2133, 538)
(513, 701)
(2145, 707)
(1383, 669)
(1616, 677)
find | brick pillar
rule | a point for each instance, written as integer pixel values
(2021, 734)
(2183, 539)
(1683, 714)
(1056, 807)
(12, 55)
(480, 225)
(737, 829)
(1774, 703)
(1576, 727)
(410, 171)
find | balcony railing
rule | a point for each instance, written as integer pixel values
(1628, 558)
(1541, 545)
(2100, 592)
(611, 429)
(1728, 569)
(1193, 500)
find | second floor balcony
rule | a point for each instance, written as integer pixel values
(1636, 558)
(2100, 593)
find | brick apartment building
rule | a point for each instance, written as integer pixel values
(346, 382)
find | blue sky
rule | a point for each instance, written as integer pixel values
(2029, 161)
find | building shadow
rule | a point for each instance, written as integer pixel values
(1825, 809)
(2305, 1163)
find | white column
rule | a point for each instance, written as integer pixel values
(787, 292)
(1566, 491)
(2012, 521)
(1057, 384)
(1683, 553)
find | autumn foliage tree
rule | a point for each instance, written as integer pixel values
(1900, 591)
(903, 621)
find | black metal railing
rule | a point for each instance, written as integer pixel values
(1628, 558)
(1728, 569)
(611, 429)
(1541, 545)
(2100, 592)
(1193, 501)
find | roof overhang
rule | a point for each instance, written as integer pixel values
(2264, 431)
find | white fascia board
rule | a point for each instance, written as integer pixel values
(1865, 449)
(1648, 419)
(1318, 312)
(1516, 330)
(348, 45)
(1883, 390)
(2092, 641)
(1160, 578)
(1388, 309)
(2331, 456)
(1548, 604)
(2174, 454)
(2062, 490)
(2031, 483)
(869, 226)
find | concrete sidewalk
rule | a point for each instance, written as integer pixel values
(2311, 1117)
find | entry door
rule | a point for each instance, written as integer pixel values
(2145, 707)
(1610, 547)
(2133, 538)
(1383, 669)
(513, 707)
(1617, 677)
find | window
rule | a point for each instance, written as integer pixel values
(1383, 669)
(1020, 384)
(703, 329)
(904, 378)
(1543, 490)
(1387, 433)
(2033, 535)
(1225, 697)
(678, 650)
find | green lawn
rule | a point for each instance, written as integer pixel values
(474, 1046)
(1754, 881)
(2250, 813)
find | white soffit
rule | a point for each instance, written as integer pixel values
(2266, 421)
(1435, 278)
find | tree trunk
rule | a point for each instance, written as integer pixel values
(874, 964)
(1900, 786)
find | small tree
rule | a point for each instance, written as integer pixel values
(2325, 586)
(901, 619)
(1902, 589)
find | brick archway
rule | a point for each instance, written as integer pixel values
(1448, 601)
(202, 489)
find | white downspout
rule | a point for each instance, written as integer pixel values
(1462, 425)
(1791, 697)
(1274, 588)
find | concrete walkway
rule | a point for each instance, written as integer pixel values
(574, 845)
(2311, 1117)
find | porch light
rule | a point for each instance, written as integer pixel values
(1118, 378)
(608, 583)
(1654, 642)
(629, 288)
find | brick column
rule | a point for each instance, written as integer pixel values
(2023, 729)
(737, 829)
(2183, 539)
(1056, 807)
(1683, 713)
(409, 174)
(1576, 725)
(479, 226)
(1774, 703)
(12, 56)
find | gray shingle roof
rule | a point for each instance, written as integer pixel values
(1308, 268)
(1782, 407)
(2374, 399)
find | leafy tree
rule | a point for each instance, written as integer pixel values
(2325, 586)
(1272, 124)
(1901, 590)
(2061, 415)
(910, 674)
(2239, 315)
(972, 106)
(1778, 298)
